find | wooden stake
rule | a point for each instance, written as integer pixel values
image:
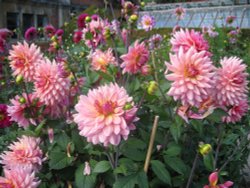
(151, 143)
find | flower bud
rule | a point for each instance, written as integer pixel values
(19, 79)
(88, 19)
(152, 87)
(22, 100)
(142, 4)
(133, 18)
(54, 38)
(204, 149)
(128, 106)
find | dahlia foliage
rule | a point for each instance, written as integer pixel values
(100, 103)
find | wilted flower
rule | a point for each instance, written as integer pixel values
(102, 116)
(230, 19)
(136, 58)
(81, 21)
(77, 37)
(147, 22)
(23, 60)
(192, 76)
(51, 85)
(100, 60)
(213, 180)
(155, 41)
(236, 112)
(49, 30)
(23, 153)
(187, 39)
(179, 12)
(231, 82)
(24, 110)
(4, 117)
(30, 34)
(87, 169)
(19, 177)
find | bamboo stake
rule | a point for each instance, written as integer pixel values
(151, 143)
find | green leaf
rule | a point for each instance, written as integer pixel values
(102, 166)
(142, 179)
(160, 171)
(126, 182)
(176, 130)
(63, 140)
(82, 180)
(209, 161)
(173, 150)
(134, 149)
(59, 160)
(176, 164)
(106, 76)
(88, 36)
(217, 115)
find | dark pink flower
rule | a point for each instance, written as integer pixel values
(59, 32)
(4, 118)
(77, 37)
(4, 33)
(30, 34)
(81, 21)
(213, 180)
(49, 30)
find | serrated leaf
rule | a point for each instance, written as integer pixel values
(142, 179)
(173, 150)
(161, 172)
(82, 180)
(176, 164)
(59, 160)
(176, 130)
(102, 166)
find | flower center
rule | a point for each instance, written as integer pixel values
(148, 22)
(20, 62)
(7, 184)
(106, 108)
(191, 71)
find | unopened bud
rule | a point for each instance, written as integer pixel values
(204, 149)
(88, 19)
(19, 79)
(127, 106)
(22, 100)
(142, 4)
(133, 18)
(152, 87)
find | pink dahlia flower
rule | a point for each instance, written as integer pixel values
(23, 153)
(4, 117)
(4, 33)
(24, 59)
(187, 39)
(136, 59)
(59, 32)
(30, 34)
(192, 76)
(179, 12)
(19, 178)
(81, 21)
(213, 180)
(236, 112)
(155, 41)
(49, 30)
(231, 82)
(24, 110)
(51, 86)
(106, 115)
(147, 22)
(100, 60)
(77, 37)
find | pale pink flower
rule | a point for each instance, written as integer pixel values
(213, 180)
(187, 39)
(192, 76)
(179, 12)
(236, 112)
(106, 115)
(147, 22)
(19, 178)
(159, 147)
(100, 60)
(87, 169)
(51, 86)
(24, 153)
(24, 59)
(231, 81)
(24, 110)
(136, 59)
(124, 34)
(154, 42)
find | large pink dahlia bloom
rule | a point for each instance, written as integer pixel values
(100, 60)
(236, 112)
(191, 77)
(24, 59)
(136, 59)
(23, 153)
(187, 39)
(105, 115)
(19, 178)
(51, 84)
(24, 109)
(231, 81)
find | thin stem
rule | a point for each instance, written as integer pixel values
(192, 170)
(218, 147)
(151, 143)
(116, 156)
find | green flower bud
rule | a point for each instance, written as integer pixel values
(204, 149)
(22, 100)
(152, 87)
(19, 79)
